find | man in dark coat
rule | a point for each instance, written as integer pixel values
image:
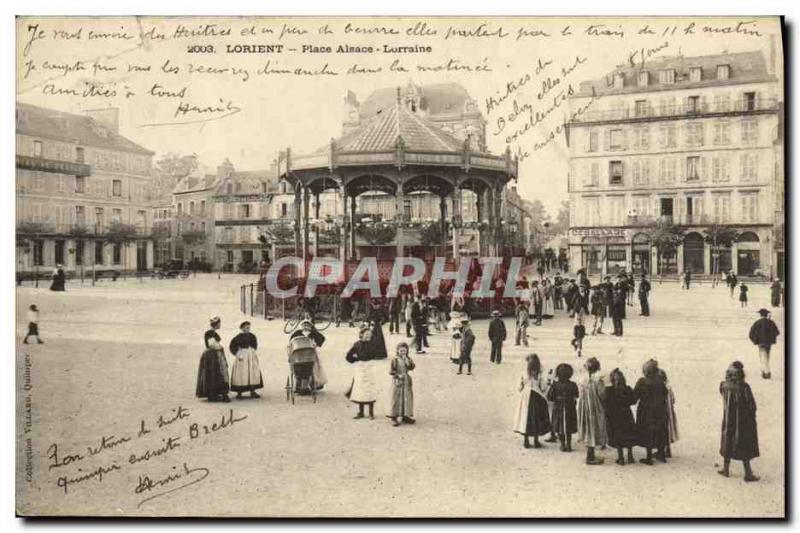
(394, 315)
(467, 342)
(763, 333)
(608, 294)
(688, 277)
(497, 334)
(417, 322)
(775, 293)
(618, 311)
(739, 439)
(644, 293)
(580, 301)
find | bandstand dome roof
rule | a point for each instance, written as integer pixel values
(380, 133)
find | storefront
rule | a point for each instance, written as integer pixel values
(694, 253)
(749, 254)
(641, 253)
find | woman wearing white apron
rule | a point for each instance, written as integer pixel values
(364, 391)
(454, 327)
(246, 373)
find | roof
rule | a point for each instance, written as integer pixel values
(437, 99)
(249, 181)
(381, 132)
(195, 183)
(745, 67)
(69, 127)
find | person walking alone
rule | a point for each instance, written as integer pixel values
(497, 335)
(764, 333)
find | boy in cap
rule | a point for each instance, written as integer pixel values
(497, 334)
(467, 342)
(763, 333)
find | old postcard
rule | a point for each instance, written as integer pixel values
(400, 267)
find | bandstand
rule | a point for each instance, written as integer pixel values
(398, 152)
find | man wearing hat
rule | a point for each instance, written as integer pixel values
(467, 342)
(763, 333)
(497, 334)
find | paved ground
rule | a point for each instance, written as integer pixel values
(122, 352)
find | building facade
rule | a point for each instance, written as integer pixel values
(692, 142)
(83, 193)
(193, 214)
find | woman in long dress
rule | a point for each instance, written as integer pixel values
(591, 415)
(564, 418)
(59, 279)
(548, 307)
(672, 418)
(212, 375)
(246, 374)
(364, 391)
(651, 413)
(619, 418)
(402, 406)
(739, 438)
(377, 318)
(532, 417)
(454, 327)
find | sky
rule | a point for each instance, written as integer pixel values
(303, 111)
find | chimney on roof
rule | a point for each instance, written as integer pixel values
(108, 117)
(225, 169)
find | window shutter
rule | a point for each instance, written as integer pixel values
(702, 169)
(703, 103)
(624, 138)
(607, 139)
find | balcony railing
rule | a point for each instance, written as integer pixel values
(75, 230)
(681, 110)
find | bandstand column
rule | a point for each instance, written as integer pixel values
(297, 219)
(343, 238)
(456, 218)
(316, 227)
(306, 200)
(479, 209)
(491, 232)
(399, 217)
(443, 223)
(353, 227)
(498, 208)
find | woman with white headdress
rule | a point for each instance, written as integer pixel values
(246, 374)
(364, 391)
(212, 376)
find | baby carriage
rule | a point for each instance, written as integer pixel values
(302, 356)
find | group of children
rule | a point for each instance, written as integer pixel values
(599, 411)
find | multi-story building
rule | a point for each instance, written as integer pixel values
(243, 211)
(193, 215)
(83, 193)
(690, 141)
(163, 230)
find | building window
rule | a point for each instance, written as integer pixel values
(202, 207)
(38, 181)
(666, 76)
(666, 170)
(749, 207)
(116, 216)
(615, 172)
(38, 252)
(594, 139)
(191, 208)
(80, 184)
(117, 253)
(722, 103)
(644, 78)
(98, 216)
(695, 74)
(723, 72)
(619, 81)
(203, 227)
(228, 234)
(641, 206)
(79, 155)
(79, 252)
(693, 167)
(263, 187)
(116, 188)
(722, 132)
(749, 164)
(722, 207)
(692, 104)
(244, 211)
(720, 168)
(667, 104)
(749, 101)
(616, 139)
(180, 208)
(37, 149)
(229, 188)
(749, 131)
(694, 134)
(284, 210)
(641, 171)
(694, 209)
(640, 108)
(98, 253)
(668, 135)
(59, 252)
(80, 215)
(641, 137)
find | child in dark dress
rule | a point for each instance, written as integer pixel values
(739, 429)
(743, 294)
(619, 418)
(564, 394)
(652, 423)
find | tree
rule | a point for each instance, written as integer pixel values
(377, 234)
(193, 237)
(431, 234)
(169, 169)
(330, 235)
(281, 234)
(718, 236)
(666, 237)
(119, 233)
(561, 224)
